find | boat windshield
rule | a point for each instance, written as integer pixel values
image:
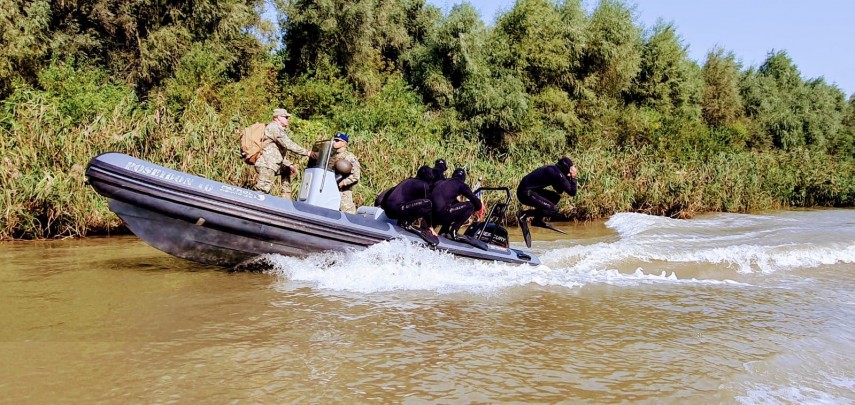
(323, 150)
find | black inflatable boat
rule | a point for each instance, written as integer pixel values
(215, 223)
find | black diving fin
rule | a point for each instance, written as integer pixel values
(547, 225)
(425, 234)
(480, 244)
(525, 231)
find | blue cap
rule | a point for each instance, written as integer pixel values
(342, 136)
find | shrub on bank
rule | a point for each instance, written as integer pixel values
(636, 162)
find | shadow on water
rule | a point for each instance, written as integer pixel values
(159, 263)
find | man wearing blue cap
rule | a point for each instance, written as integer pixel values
(349, 179)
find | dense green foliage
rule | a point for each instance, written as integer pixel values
(652, 131)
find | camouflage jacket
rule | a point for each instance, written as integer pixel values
(355, 170)
(274, 154)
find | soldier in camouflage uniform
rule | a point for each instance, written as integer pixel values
(273, 161)
(346, 184)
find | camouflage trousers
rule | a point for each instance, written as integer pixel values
(267, 176)
(347, 202)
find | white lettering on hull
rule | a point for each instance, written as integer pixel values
(187, 181)
(241, 192)
(159, 173)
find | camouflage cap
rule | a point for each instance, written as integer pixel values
(281, 111)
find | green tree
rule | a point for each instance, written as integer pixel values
(542, 43)
(770, 95)
(612, 57)
(141, 41)
(844, 144)
(24, 41)
(780, 67)
(793, 113)
(539, 52)
(667, 80)
(453, 69)
(721, 102)
(449, 55)
(822, 108)
(361, 40)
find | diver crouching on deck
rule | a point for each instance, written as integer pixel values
(448, 212)
(410, 201)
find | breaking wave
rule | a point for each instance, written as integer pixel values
(647, 250)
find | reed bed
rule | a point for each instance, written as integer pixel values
(45, 153)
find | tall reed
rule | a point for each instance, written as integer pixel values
(44, 153)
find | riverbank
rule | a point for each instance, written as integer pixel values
(651, 130)
(45, 194)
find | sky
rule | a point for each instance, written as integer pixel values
(818, 35)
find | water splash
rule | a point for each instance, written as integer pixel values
(650, 249)
(747, 243)
(401, 265)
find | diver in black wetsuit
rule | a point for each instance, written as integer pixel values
(532, 191)
(439, 168)
(410, 201)
(449, 213)
(378, 202)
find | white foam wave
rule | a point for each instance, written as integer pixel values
(742, 258)
(795, 394)
(628, 224)
(400, 265)
(768, 259)
(748, 243)
(714, 249)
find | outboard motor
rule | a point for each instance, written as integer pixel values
(489, 232)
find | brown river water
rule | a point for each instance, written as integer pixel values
(724, 308)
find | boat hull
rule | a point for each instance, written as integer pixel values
(215, 223)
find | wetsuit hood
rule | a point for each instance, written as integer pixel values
(459, 173)
(440, 165)
(564, 164)
(425, 173)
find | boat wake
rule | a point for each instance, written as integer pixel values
(745, 243)
(400, 265)
(733, 249)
